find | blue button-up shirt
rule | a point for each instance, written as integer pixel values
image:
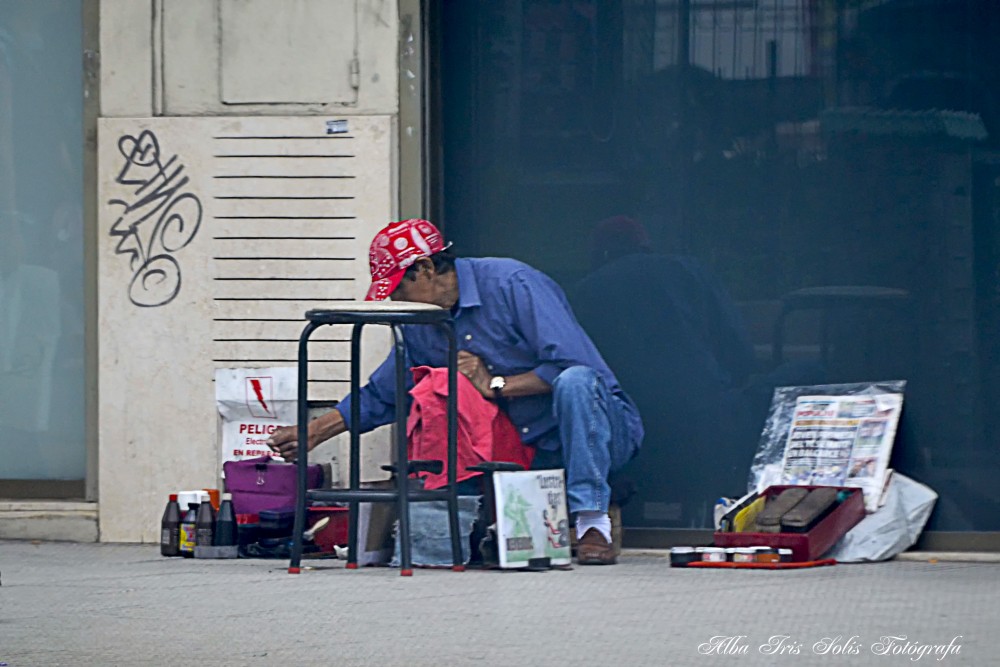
(515, 319)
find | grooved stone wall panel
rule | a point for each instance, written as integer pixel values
(216, 235)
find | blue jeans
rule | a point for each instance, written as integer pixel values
(594, 438)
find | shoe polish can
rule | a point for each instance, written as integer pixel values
(713, 555)
(785, 555)
(683, 556)
(765, 555)
(743, 555)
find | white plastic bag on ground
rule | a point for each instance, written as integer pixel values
(893, 528)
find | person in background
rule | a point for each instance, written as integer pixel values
(522, 347)
(676, 340)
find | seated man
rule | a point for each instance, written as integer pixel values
(520, 346)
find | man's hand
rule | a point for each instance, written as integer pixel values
(473, 368)
(284, 442)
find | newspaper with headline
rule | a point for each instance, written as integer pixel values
(843, 441)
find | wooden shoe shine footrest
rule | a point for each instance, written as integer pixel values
(769, 519)
(808, 511)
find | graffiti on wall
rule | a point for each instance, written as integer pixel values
(156, 217)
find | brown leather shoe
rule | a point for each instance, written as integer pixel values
(593, 549)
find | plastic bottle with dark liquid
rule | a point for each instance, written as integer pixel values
(170, 528)
(187, 532)
(225, 523)
(204, 523)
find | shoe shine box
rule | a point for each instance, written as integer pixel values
(811, 544)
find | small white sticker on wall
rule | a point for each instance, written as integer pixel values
(336, 126)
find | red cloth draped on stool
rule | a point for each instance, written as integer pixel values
(485, 433)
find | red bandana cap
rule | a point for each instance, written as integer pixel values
(395, 249)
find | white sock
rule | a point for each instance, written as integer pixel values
(592, 519)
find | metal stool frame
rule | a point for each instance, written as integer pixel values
(402, 495)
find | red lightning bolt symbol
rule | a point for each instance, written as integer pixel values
(260, 394)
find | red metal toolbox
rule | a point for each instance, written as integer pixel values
(809, 545)
(335, 533)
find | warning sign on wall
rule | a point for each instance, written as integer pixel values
(253, 402)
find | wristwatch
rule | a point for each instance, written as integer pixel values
(497, 383)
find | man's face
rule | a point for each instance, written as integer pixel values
(420, 289)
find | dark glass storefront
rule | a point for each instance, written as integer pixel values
(782, 144)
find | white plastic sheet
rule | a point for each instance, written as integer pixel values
(893, 528)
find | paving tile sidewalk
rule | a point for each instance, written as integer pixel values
(106, 604)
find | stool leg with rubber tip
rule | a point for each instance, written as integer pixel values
(402, 460)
